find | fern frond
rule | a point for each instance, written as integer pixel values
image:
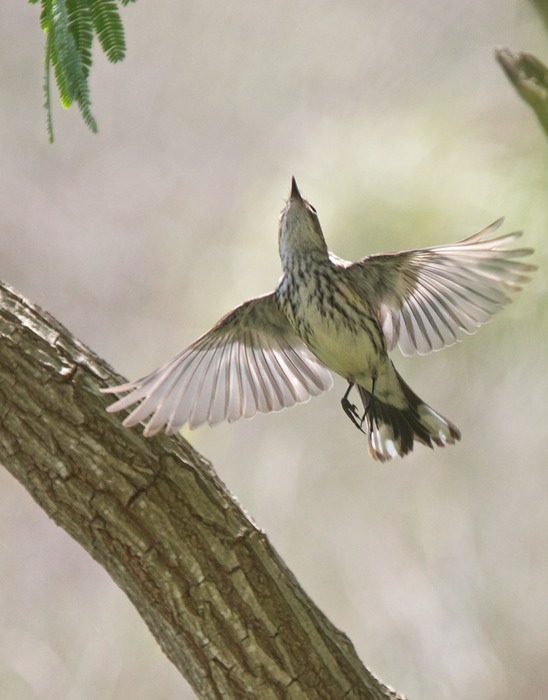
(81, 27)
(84, 105)
(68, 52)
(44, 15)
(47, 91)
(64, 55)
(108, 25)
(70, 26)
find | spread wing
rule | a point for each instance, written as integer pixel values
(426, 298)
(250, 362)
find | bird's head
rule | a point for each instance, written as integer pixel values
(299, 232)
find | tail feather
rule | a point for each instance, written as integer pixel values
(392, 431)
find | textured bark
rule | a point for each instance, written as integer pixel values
(214, 593)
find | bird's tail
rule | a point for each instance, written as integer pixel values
(392, 430)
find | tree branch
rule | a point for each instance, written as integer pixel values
(214, 593)
(530, 78)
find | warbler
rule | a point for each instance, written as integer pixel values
(331, 315)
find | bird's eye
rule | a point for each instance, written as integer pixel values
(312, 209)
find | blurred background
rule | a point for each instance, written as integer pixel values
(402, 130)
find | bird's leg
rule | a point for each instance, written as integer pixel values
(367, 408)
(351, 410)
(373, 385)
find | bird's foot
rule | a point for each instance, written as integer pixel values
(352, 412)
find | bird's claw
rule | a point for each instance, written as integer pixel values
(351, 411)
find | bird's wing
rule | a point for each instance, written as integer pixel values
(250, 362)
(426, 298)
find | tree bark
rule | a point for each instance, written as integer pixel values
(219, 600)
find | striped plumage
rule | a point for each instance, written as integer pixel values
(276, 350)
(249, 362)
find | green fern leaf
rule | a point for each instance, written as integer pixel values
(44, 15)
(68, 51)
(81, 27)
(70, 26)
(47, 92)
(84, 105)
(60, 75)
(69, 71)
(108, 26)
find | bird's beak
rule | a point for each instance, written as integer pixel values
(295, 194)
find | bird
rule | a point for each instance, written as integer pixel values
(329, 315)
